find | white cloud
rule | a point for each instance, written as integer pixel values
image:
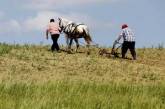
(10, 26)
(52, 4)
(40, 21)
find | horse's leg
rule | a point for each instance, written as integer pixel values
(77, 44)
(70, 43)
(67, 41)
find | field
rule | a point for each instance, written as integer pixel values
(32, 77)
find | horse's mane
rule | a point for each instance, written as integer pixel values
(66, 20)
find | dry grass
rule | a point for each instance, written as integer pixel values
(37, 64)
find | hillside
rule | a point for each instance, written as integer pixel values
(32, 77)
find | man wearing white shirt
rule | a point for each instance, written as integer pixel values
(129, 41)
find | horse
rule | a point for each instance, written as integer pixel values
(73, 31)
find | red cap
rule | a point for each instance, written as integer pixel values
(124, 26)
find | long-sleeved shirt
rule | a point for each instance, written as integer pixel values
(127, 35)
(53, 28)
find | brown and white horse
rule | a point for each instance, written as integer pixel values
(73, 31)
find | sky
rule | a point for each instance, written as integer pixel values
(25, 21)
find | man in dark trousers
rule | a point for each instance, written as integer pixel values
(54, 30)
(129, 41)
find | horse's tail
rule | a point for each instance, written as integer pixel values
(87, 36)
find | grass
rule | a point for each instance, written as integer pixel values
(81, 95)
(31, 77)
(4, 49)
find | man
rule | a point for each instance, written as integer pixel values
(54, 30)
(129, 41)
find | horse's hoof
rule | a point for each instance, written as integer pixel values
(88, 53)
(76, 50)
(69, 52)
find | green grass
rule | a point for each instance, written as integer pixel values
(4, 49)
(80, 95)
(31, 77)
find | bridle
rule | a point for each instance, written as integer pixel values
(61, 26)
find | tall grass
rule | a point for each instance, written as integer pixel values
(4, 48)
(81, 95)
(160, 46)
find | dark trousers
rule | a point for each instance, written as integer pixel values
(55, 44)
(131, 46)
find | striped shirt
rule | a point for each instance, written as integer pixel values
(53, 28)
(127, 35)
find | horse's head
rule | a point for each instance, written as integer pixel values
(63, 22)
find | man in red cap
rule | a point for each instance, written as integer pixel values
(129, 41)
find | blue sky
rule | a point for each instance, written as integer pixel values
(24, 21)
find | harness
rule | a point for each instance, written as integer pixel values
(68, 29)
(74, 31)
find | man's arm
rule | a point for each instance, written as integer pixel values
(47, 33)
(116, 42)
(119, 37)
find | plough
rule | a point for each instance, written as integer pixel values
(114, 52)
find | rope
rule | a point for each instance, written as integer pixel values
(94, 44)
